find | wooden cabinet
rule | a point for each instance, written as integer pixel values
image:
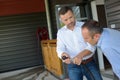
(51, 60)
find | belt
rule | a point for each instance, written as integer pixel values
(87, 60)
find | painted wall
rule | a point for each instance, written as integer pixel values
(13, 7)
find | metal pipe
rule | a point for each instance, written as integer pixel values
(48, 19)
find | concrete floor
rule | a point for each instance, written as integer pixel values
(24, 74)
(39, 73)
(51, 77)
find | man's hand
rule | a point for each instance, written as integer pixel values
(66, 58)
(77, 60)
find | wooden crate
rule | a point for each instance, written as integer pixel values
(51, 60)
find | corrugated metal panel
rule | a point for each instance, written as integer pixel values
(18, 42)
(113, 13)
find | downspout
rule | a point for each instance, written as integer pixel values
(48, 19)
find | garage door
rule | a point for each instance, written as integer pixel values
(18, 42)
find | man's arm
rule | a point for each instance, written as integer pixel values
(65, 58)
(86, 52)
(78, 59)
(61, 49)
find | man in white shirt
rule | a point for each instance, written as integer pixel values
(71, 47)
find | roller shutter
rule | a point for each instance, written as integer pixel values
(18, 41)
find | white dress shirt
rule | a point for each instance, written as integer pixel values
(72, 42)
